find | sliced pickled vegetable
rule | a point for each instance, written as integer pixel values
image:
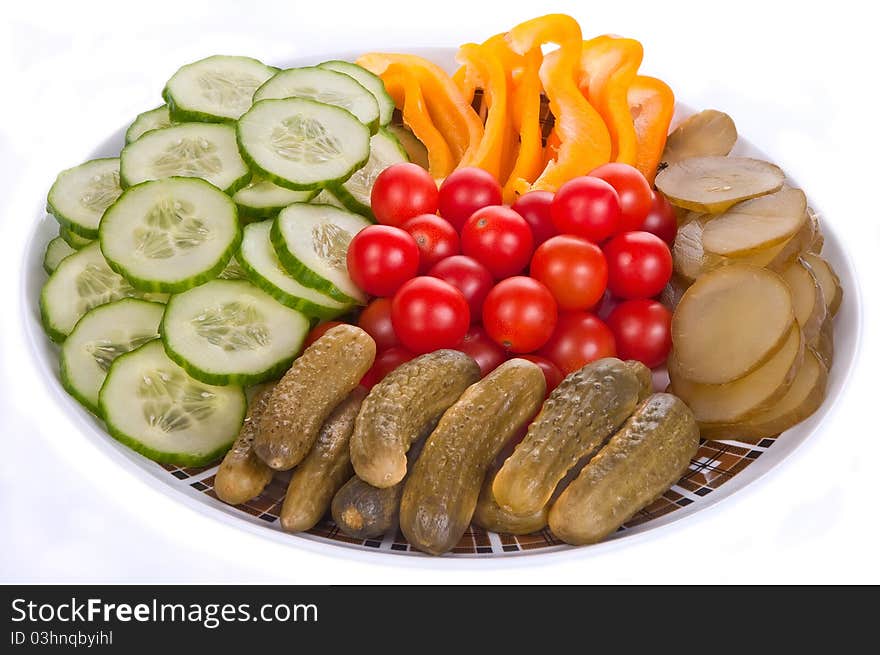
(688, 257)
(809, 303)
(731, 321)
(824, 349)
(828, 280)
(709, 132)
(715, 184)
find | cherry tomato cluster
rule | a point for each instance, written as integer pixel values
(528, 280)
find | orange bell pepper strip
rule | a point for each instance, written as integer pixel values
(552, 146)
(608, 66)
(464, 84)
(651, 104)
(585, 140)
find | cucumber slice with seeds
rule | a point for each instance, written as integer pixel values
(102, 335)
(262, 199)
(325, 86)
(311, 242)
(154, 119)
(81, 282)
(56, 251)
(204, 150)
(233, 271)
(302, 144)
(75, 241)
(354, 193)
(258, 258)
(326, 197)
(231, 332)
(215, 89)
(372, 83)
(170, 235)
(80, 195)
(152, 406)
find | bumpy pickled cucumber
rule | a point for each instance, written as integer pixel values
(577, 418)
(317, 382)
(490, 515)
(242, 475)
(324, 470)
(397, 410)
(441, 493)
(637, 465)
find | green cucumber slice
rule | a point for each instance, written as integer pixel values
(102, 335)
(81, 194)
(233, 271)
(258, 258)
(302, 144)
(170, 235)
(231, 332)
(262, 199)
(415, 149)
(325, 86)
(81, 282)
(354, 193)
(215, 89)
(311, 242)
(56, 251)
(75, 241)
(152, 406)
(205, 150)
(326, 197)
(372, 83)
(154, 119)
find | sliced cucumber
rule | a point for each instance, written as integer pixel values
(372, 83)
(154, 119)
(325, 86)
(215, 89)
(102, 335)
(262, 199)
(152, 406)
(260, 261)
(82, 193)
(354, 193)
(326, 197)
(311, 242)
(415, 149)
(231, 332)
(56, 251)
(75, 241)
(204, 150)
(82, 281)
(233, 271)
(170, 235)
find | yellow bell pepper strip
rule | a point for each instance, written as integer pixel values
(585, 141)
(404, 89)
(608, 66)
(651, 103)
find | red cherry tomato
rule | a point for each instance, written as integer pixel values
(552, 373)
(402, 191)
(586, 207)
(386, 361)
(498, 238)
(573, 269)
(661, 219)
(519, 314)
(642, 331)
(465, 191)
(468, 276)
(429, 314)
(380, 258)
(632, 189)
(488, 354)
(435, 237)
(639, 265)
(534, 207)
(579, 338)
(318, 331)
(375, 320)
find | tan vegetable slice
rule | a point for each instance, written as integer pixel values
(828, 280)
(742, 398)
(689, 259)
(756, 225)
(715, 184)
(824, 349)
(802, 399)
(709, 132)
(809, 304)
(780, 257)
(673, 292)
(818, 240)
(730, 322)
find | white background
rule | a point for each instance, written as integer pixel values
(800, 81)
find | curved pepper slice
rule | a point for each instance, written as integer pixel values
(608, 66)
(585, 141)
(651, 103)
(464, 84)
